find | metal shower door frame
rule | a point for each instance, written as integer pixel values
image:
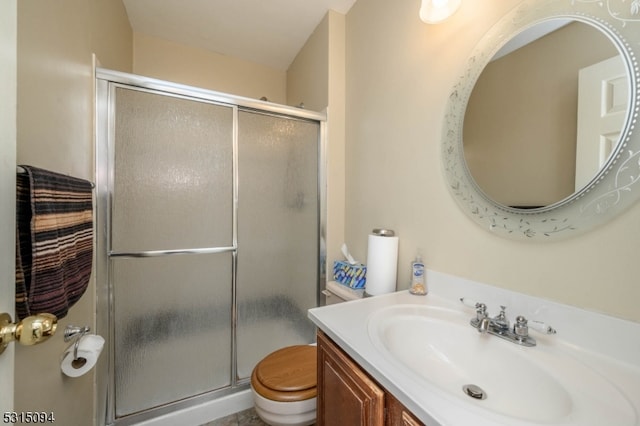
(106, 83)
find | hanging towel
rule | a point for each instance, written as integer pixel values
(54, 241)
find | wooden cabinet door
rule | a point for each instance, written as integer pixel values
(398, 415)
(346, 395)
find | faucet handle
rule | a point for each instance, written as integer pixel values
(542, 327)
(469, 303)
(520, 328)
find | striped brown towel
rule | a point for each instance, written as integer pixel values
(54, 244)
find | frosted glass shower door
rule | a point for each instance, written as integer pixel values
(171, 248)
(278, 234)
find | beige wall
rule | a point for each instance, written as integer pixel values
(336, 139)
(317, 78)
(158, 58)
(399, 74)
(55, 131)
(308, 74)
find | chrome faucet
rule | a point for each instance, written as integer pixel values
(501, 327)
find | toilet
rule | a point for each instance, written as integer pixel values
(284, 386)
(284, 382)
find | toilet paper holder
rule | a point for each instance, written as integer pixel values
(74, 332)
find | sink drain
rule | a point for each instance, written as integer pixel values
(474, 391)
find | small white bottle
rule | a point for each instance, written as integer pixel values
(418, 278)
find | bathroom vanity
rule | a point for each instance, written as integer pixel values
(399, 359)
(452, 363)
(348, 395)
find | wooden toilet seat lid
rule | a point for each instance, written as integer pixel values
(287, 374)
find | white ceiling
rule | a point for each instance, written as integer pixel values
(268, 32)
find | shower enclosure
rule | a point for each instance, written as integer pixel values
(209, 250)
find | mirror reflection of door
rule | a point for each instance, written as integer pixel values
(520, 126)
(603, 97)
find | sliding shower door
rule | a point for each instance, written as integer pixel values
(172, 247)
(209, 248)
(278, 234)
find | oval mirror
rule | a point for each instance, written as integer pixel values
(539, 137)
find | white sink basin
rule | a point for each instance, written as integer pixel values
(542, 384)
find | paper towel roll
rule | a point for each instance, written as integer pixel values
(89, 349)
(382, 264)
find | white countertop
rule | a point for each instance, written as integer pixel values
(610, 344)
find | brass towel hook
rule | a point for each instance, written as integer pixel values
(30, 331)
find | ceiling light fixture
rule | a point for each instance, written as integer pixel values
(435, 11)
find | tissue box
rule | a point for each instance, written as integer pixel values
(354, 276)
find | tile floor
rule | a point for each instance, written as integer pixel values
(243, 418)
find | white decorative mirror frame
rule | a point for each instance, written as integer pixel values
(615, 187)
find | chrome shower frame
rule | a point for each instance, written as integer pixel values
(106, 82)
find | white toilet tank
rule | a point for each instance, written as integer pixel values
(337, 293)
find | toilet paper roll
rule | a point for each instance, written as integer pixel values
(382, 264)
(89, 350)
